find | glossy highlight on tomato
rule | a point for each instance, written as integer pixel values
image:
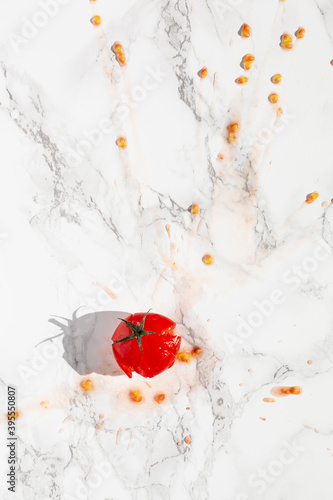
(145, 343)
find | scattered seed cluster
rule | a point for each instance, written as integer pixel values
(118, 49)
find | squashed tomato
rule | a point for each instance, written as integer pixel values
(145, 343)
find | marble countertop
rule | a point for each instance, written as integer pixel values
(90, 232)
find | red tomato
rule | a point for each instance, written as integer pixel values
(146, 344)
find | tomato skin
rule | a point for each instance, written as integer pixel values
(159, 351)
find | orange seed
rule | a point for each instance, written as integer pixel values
(195, 209)
(292, 390)
(185, 357)
(311, 197)
(196, 352)
(117, 48)
(96, 20)
(286, 41)
(296, 390)
(276, 78)
(273, 98)
(159, 398)
(121, 59)
(233, 127)
(231, 138)
(203, 72)
(87, 385)
(135, 395)
(122, 142)
(241, 80)
(245, 30)
(300, 32)
(248, 60)
(208, 259)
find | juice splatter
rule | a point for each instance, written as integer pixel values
(118, 437)
(109, 292)
(282, 391)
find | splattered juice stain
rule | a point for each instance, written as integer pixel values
(282, 391)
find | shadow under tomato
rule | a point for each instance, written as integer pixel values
(87, 342)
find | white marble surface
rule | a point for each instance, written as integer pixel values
(77, 214)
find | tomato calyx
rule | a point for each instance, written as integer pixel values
(137, 331)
